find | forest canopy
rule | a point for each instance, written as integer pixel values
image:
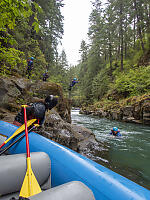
(29, 29)
(114, 62)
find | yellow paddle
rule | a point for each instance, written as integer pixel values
(19, 130)
(30, 185)
(18, 139)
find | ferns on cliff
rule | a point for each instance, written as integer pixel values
(135, 82)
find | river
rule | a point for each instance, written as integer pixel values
(128, 155)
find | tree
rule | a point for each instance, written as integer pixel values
(137, 7)
(51, 22)
(116, 32)
(83, 51)
(10, 13)
(30, 28)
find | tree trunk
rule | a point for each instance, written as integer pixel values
(121, 34)
(125, 40)
(110, 55)
(138, 25)
(134, 28)
(147, 12)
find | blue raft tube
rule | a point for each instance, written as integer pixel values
(68, 165)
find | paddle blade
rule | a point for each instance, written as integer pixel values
(30, 185)
(20, 129)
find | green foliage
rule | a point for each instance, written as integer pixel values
(100, 84)
(10, 10)
(135, 82)
(116, 67)
(40, 63)
(119, 43)
(51, 28)
(11, 60)
(12, 14)
(83, 51)
(137, 55)
(34, 28)
(30, 28)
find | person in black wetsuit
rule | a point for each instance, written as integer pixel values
(36, 110)
(45, 76)
(73, 82)
(30, 66)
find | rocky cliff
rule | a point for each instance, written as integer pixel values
(15, 91)
(134, 109)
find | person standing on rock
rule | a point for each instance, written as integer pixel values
(36, 110)
(30, 66)
(115, 131)
(45, 76)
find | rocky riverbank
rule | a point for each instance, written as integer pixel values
(15, 91)
(134, 110)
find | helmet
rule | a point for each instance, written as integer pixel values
(51, 101)
(115, 129)
(32, 58)
(75, 79)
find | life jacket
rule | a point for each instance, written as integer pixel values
(117, 134)
(34, 110)
(73, 83)
(39, 110)
(30, 64)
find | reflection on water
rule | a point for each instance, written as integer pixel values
(128, 155)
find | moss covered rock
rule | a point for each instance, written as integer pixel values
(134, 109)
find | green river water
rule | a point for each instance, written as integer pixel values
(128, 155)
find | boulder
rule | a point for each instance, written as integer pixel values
(128, 111)
(9, 93)
(17, 91)
(77, 138)
(146, 111)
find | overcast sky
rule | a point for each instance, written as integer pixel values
(76, 18)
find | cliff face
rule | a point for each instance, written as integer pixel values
(77, 138)
(15, 92)
(135, 110)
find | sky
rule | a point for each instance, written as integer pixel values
(76, 23)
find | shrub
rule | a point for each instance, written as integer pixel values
(100, 84)
(11, 59)
(135, 82)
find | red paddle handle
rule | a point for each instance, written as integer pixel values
(2, 145)
(26, 132)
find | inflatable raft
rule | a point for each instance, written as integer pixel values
(62, 173)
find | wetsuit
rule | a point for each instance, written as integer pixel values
(72, 84)
(29, 68)
(34, 111)
(45, 76)
(112, 133)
